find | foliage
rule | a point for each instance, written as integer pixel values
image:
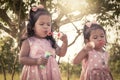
(18, 9)
(7, 56)
(70, 69)
(115, 58)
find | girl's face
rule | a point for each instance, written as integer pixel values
(42, 26)
(98, 37)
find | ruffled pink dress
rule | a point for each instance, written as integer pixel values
(38, 47)
(96, 67)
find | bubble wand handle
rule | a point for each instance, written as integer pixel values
(47, 55)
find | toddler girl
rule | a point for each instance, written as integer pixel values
(38, 43)
(94, 58)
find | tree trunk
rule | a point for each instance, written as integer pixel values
(3, 69)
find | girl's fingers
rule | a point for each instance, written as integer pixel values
(92, 44)
(44, 60)
(63, 37)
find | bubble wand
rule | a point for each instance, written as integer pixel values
(47, 55)
(55, 34)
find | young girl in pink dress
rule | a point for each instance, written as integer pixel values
(93, 57)
(39, 41)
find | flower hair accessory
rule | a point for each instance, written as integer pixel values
(88, 24)
(35, 8)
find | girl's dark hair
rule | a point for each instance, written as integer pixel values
(33, 17)
(87, 30)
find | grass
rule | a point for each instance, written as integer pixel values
(16, 77)
(71, 77)
(116, 76)
(64, 77)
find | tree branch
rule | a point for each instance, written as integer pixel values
(10, 32)
(5, 17)
(79, 33)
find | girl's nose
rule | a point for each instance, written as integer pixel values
(99, 38)
(46, 26)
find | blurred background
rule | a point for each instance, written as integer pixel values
(68, 16)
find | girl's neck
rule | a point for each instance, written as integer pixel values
(39, 37)
(99, 49)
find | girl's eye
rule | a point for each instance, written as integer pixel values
(102, 36)
(41, 24)
(95, 37)
(48, 24)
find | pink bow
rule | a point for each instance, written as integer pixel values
(88, 24)
(34, 8)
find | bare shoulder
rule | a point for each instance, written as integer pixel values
(25, 47)
(25, 42)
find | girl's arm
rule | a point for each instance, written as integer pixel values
(24, 55)
(84, 52)
(61, 51)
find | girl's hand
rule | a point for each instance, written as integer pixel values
(61, 51)
(89, 46)
(63, 37)
(42, 61)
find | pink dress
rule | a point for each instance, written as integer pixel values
(38, 47)
(97, 66)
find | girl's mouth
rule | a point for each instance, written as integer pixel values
(49, 33)
(101, 43)
(46, 32)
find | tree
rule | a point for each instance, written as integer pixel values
(19, 8)
(7, 55)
